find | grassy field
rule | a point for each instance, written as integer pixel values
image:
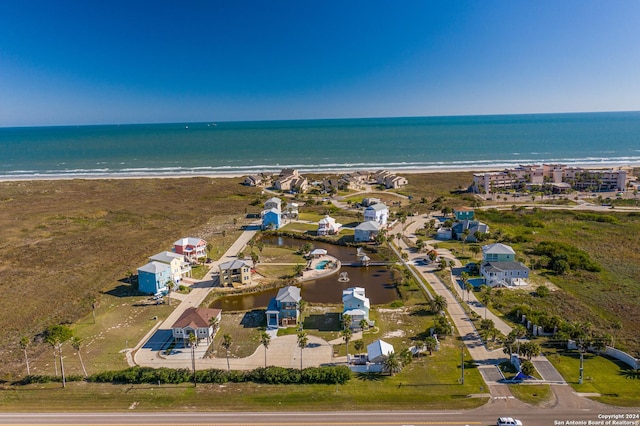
(616, 383)
(404, 391)
(68, 242)
(63, 245)
(608, 299)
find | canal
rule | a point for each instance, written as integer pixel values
(376, 280)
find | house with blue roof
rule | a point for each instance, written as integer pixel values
(153, 278)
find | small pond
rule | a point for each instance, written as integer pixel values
(375, 279)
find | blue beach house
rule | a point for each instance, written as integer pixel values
(153, 277)
(271, 219)
(284, 309)
(356, 305)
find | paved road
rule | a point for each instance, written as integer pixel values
(485, 415)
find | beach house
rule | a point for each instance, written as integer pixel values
(377, 213)
(202, 322)
(284, 309)
(235, 272)
(271, 219)
(378, 350)
(291, 180)
(328, 226)
(474, 228)
(179, 267)
(498, 252)
(366, 231)
(504, 274)
(356, 305)
(273, 203)
(153, 278)
(191, 248)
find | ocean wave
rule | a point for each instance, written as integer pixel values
(330, 167)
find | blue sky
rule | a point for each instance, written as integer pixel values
(89, 62)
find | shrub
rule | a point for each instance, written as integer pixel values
(560, 253)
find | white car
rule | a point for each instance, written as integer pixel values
(509, 421)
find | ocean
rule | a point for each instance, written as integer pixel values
(316, 146)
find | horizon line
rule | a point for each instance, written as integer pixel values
(317, 119)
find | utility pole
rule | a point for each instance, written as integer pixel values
(581, 367)
(462, 363)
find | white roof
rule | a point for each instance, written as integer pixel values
(354, 312)
(497, 248)
(377, 350)
(274, 200)
(166, 257)
(189, 241)
(370, 225)
(377, 207)
(327, 220)
(154, 267)
(318, 252)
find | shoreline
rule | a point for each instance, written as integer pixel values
(133, 176)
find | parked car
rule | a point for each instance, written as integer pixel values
(509, 421)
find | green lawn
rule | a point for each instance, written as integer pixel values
(532, 394)
(617, 383)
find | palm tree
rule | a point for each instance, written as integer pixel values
(76, 343)
(170, 287)
(358, 345)
(406, 356)
(265, 339)
(364, 324)
(346, 321)
(439, 303)
(469, 287)
(24, 344)
(302, 343)
(346, 335)
(302, 306)
(430, 344)
(298, 269)
(94, 302)
(213, 323)
(226, 344)
(192, 342)
(485, 299)
(391, 363)
(56, 335)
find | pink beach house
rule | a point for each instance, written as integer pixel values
(192, 248)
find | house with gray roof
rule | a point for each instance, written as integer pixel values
(284, 309)
(504, 274)
(473, 226)
(498, 252)
(366, 231)
(153, 278)
(377, 212)
(235, 272)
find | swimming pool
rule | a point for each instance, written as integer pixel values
(322, 264)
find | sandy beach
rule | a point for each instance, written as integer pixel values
(400, 172)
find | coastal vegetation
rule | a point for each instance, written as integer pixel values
(76, 232)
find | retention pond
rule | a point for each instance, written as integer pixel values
(376, 280)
